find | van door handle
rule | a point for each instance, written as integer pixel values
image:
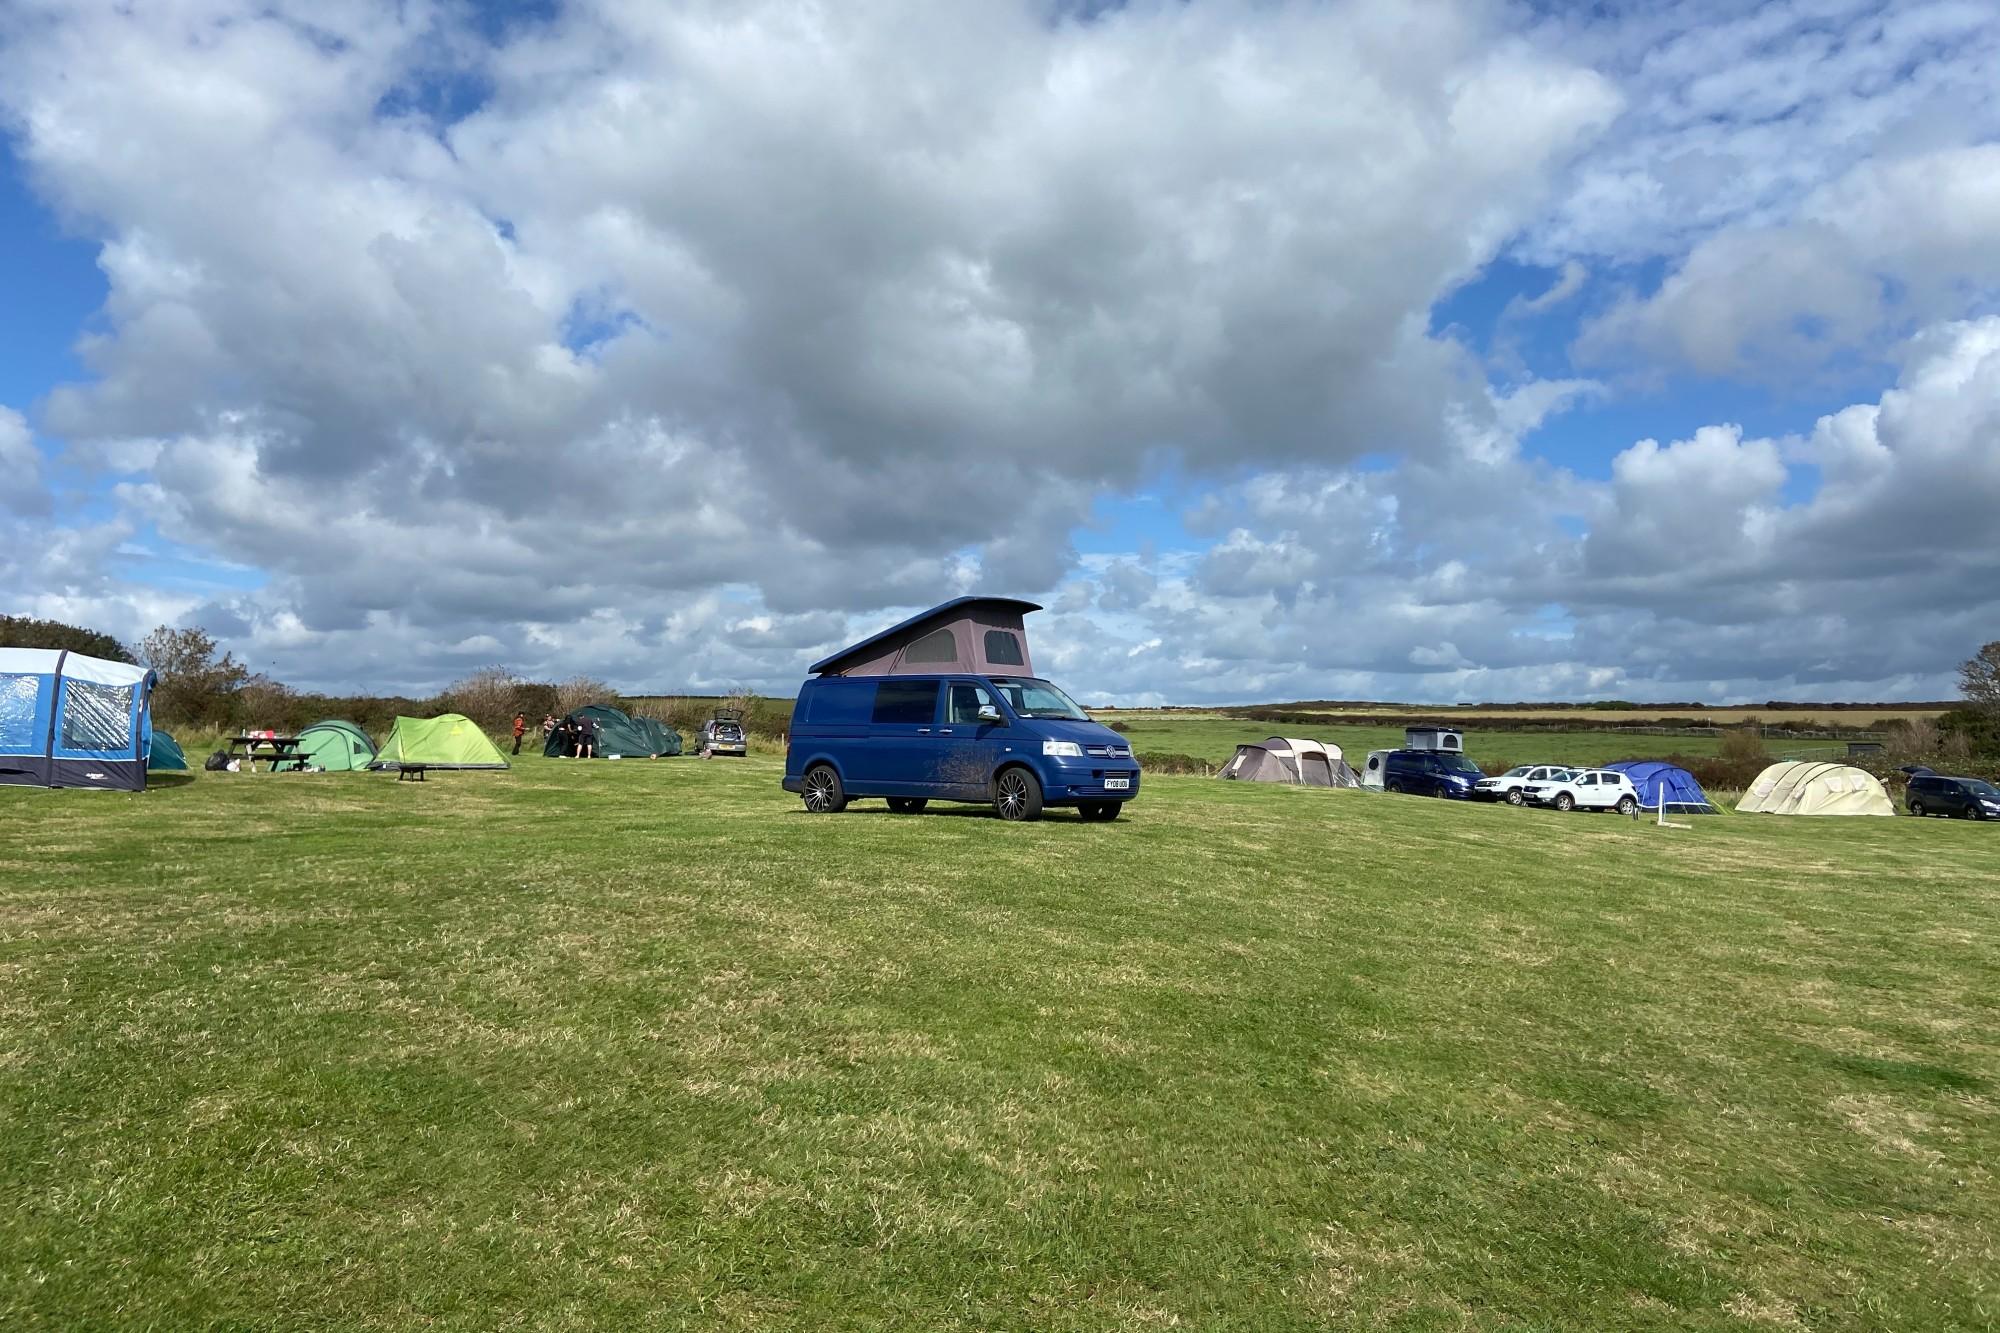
(923, 731)
(944, 731)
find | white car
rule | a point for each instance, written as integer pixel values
(1509, 786)
(1587, 789)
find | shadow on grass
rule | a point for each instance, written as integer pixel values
(169, 779)
(1907, 1073)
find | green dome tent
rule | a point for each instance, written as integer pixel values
(618, 733)
(450, 740)
(333, 745)
(166, 753)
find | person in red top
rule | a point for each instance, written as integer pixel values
(520, 726)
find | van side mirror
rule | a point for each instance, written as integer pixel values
(988, 713)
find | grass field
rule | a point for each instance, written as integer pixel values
(1584, 717)
(641, 1045)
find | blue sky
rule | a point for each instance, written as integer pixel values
(1283, 350)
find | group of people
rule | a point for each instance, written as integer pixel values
(576, 737)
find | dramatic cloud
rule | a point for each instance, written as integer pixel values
(680, 342)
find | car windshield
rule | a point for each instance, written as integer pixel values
(1038, 698)
(1985, 790)
(1520, 772)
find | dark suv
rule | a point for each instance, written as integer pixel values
(1968, 798)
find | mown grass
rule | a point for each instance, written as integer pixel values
(641, 1045)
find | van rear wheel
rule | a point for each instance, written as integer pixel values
(822, 791)
(1018, 795)
(908, 805)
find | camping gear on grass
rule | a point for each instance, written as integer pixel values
(1298, 762)
(450, 740)
(333, 746)
(67, 720)
(1653, 780)
(1805, 787)
(166, 754)
(619, 735)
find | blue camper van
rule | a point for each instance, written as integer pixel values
(946, 707)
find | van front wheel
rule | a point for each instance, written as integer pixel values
(1018, 795)
(823, 792)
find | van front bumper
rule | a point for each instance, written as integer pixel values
(1083, 780)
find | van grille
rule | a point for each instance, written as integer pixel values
(1108, 751)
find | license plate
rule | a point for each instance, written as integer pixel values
(1117, 784)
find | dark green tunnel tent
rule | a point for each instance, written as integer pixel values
(166, 754)
(618, 734)
(335, 746)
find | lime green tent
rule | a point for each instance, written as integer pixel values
(447, 741)
(337, 747)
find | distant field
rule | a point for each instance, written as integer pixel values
(1214, 738)
(642, 1045)
(1586, 717)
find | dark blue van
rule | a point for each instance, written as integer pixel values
(1016, 741)
(929, 711)
(1444, 773)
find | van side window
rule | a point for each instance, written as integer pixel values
(938, 648)
(1003, 648)
(841, 702)
(965, 703)
(905, 702)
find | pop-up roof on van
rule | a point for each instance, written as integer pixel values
(980, 635)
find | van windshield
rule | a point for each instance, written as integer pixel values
(1457, 763)
(1038, 698)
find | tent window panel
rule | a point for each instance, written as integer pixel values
(19, 697)
(905, 702)
(96, 717)
(938, 648)
(1003, 648)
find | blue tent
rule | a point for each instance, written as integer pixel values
(166, 753)
(67, 720)
(1653, 778)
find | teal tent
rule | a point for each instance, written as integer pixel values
(336, 746)
(618, 733)
(166, 753)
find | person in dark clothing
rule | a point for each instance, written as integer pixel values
(586, 744)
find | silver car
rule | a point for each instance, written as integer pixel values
(723, 734)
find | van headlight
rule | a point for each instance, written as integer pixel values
(1061, 750)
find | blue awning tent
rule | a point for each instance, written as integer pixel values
(1653, 778)
(67, 720)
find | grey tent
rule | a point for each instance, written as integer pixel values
(980, 635)
(1291, 760)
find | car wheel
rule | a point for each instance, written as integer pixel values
(1515, 797)
(823, 792)
(1917, 809)
(1565, 802)
(1099, 812)
(1972, 812)
(1018, 795)
(908, 805)
(1627, 806)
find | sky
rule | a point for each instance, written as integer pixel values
(1282, 349)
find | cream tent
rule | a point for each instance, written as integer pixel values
(1812, 788)
(1302, 763)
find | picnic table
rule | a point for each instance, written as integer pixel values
(273, 749)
